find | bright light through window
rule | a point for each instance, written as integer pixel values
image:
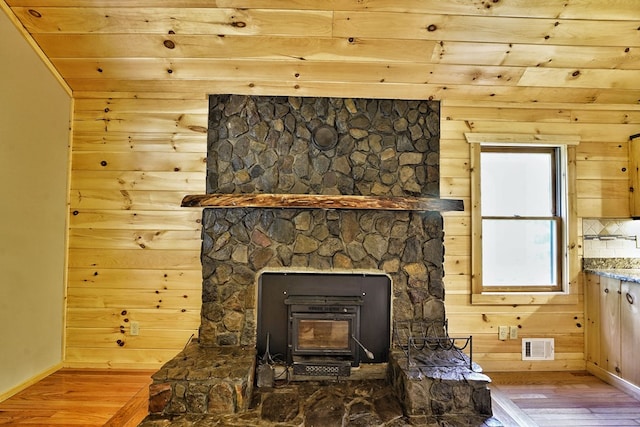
(516, 183)
(521, 224)
(519, 253)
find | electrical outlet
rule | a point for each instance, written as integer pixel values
(503, 333)
(134, 328)
(513, 332)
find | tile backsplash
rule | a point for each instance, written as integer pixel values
(610, 238)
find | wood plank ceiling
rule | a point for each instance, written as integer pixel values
(547, 51)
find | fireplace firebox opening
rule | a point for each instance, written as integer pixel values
(324, 323)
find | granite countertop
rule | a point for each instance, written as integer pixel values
(626, 269)
(624, 274)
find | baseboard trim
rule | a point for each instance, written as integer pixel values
(17, 389)
(617, 382)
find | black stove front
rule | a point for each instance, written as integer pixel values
(323, 333)
(324, 324)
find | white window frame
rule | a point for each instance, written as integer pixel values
(566, 145)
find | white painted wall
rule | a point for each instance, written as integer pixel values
(35, 113)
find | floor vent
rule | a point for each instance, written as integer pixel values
(538, 349)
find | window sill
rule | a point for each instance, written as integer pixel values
(524, 299)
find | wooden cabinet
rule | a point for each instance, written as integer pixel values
(634, 177)
(592, 316)
(612, 311)
(610, 324)
(630, 331)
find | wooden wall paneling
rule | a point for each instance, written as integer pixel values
(458, 265)
(136, 220)
(602, 150)
(621, 115)
(128, 104)
(114, 278)
(457, 245)
(113, 338)
(154, 318)
(140, 122)
(96, 199)
(134, 258)
(457, 285)
(588, 132)
(457, 225)
(189, 182)
(455, 188)
(501, 362)
(137, 239)
(134, 253)
(604, 169)
(527, 321)
(456, 148)
(140, 161)
(459, 304)
(118, 357)
(102, 93)
(135, 298)
(99, 142)
(471, 114)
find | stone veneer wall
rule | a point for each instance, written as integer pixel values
(266, 145)
(239, 243)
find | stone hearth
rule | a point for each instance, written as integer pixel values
(206, 386)
(323, 146)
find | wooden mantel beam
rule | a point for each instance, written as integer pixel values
(321, 201)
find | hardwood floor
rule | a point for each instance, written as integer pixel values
(118, 398)
(560, 399)
(81, 397)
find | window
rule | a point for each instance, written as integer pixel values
(519, 218)
(522, 221)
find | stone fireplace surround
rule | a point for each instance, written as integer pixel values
(266, 145)
(273, 145)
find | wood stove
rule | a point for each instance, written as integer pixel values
(323, 333)
(324, 324)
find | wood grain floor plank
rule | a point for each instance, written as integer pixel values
(133, 412)
(568, 399)
(81, 397)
